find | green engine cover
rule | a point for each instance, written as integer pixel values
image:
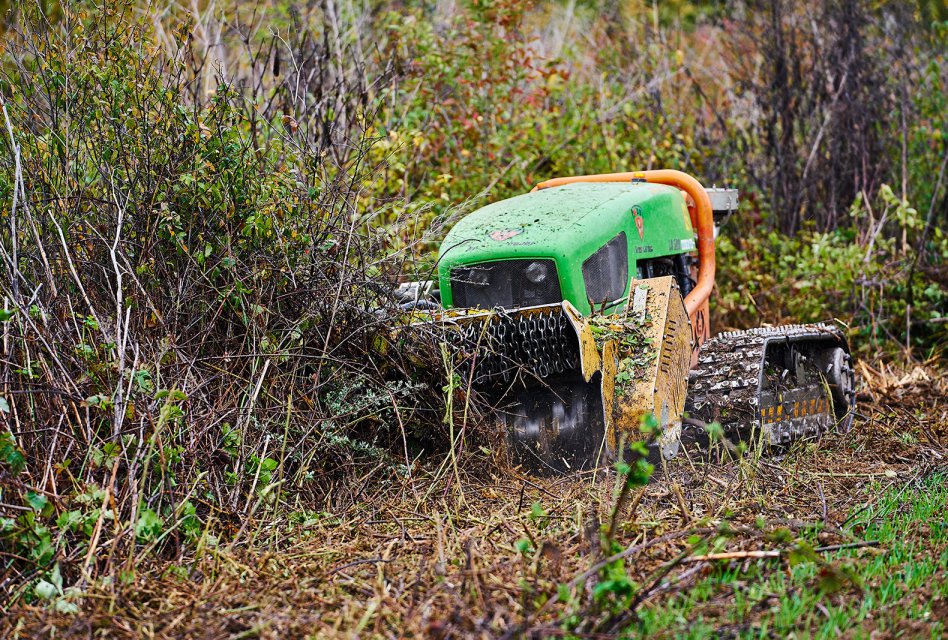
(568, 225)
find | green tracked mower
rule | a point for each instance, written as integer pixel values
(582, 306)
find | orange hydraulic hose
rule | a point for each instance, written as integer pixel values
(705, 220)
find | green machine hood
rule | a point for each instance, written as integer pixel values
(568, 225)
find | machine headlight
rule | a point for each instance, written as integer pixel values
(537, 272)
(479, 277)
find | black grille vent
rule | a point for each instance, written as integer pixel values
(506, 284)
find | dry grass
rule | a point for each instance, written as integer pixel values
(426, 557)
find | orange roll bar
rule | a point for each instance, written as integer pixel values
(704, 218)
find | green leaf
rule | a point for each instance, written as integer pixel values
(537, 512)
(149, 525)
(99, 400)
(42, 550)
(111, 449)
(640, 473)
(6, 314)
(56, 577)
(639, 448)
(523, 546)
(10, 454)
(190, 523)
(69, 520)
(65, 606)
(143, 381)
(169, 413)
(649, 424)
(36, 500)
(563, 593)
(45, 590)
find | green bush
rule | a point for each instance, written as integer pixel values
(189, 303)
(864, 279)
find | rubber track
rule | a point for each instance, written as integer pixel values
(725, 386)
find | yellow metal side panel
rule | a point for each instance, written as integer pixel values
(637, 397)
(610, 363)
(674, 364)
(660, 387)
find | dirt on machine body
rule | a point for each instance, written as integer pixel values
(581, 309)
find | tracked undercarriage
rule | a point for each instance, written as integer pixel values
(787, 382)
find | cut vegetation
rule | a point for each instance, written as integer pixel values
(803, 543)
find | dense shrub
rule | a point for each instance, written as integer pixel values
(191, 320)
(867, 286)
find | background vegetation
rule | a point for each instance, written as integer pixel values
(205, 207)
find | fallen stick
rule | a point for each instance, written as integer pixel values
(848, 545)
(776, 553)
(736, 555)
